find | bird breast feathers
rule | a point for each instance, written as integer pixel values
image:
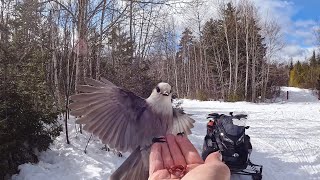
(161, 106)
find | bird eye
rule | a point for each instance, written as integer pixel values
(158, 89)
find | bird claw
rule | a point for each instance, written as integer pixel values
(119, 154)
(159, 139)
(181, 134)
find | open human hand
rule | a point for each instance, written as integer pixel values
(178, 159)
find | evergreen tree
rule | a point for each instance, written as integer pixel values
(305, 74)
(291, 65)
(313, 59)
(224, 52)
(28, 113)
(25, 128)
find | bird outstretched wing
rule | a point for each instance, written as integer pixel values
(182, 123)
(111, 113)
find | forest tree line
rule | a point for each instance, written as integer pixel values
(135, 45)
(306, 74)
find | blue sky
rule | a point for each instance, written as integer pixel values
(298, 20)
(306, 9)
(306, 18)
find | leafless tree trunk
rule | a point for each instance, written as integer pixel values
(131, 25)
(189, 71)
(253, 67)
(207, 78)
(81, 28)
(175, 74)
(229, 57)
(55, 69)
(247, 52)
(100, 39)
(274, 43)
(196, 79)
(236, 57)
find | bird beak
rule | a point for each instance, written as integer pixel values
(165, 93)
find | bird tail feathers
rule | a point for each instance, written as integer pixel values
(134, 167)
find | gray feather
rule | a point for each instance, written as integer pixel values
(82, 104)
(134, 167)
(88, 89)
(107, 82)
(88, 108)
(93, 116)
(87, 96)
(182, 122)
(95, 83)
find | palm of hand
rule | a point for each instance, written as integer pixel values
(173, 159)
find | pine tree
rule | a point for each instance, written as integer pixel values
(28, 113)
(291, 65)
(313, 59)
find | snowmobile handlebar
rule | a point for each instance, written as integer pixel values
(240, 116)
(216, 116)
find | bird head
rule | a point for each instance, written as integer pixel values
(162, 91)
(160, 99)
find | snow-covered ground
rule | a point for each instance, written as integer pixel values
(285, 137)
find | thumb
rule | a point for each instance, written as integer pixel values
(213, 157)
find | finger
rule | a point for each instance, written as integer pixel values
(189, 152)
(213, 157)
(166, 156)
(177, 156)
(160, 174)
(156, 162)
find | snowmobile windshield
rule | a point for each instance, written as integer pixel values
(232, 126)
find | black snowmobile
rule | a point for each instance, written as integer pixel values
(226, 133)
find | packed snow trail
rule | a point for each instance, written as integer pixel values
(285, 138)
(299, 95)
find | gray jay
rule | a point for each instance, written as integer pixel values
(127, 122)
